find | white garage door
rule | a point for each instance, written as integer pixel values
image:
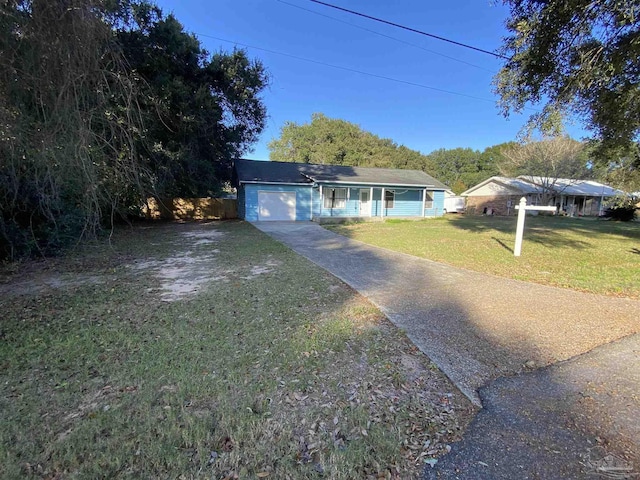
(276, 206)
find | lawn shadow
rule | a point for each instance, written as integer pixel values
(436, 322)
(502, 244)
(544, 230)
(477, 328)
(549, 227)
(635, 250)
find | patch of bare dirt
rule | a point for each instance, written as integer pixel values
(187, 272)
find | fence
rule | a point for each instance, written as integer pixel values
(191, 208)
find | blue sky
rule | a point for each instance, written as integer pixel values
(423, 119)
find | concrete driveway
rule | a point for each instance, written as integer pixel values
(476, 327)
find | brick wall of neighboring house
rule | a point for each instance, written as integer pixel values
(497, 204)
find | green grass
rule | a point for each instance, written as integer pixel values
(584, 254)
(273, 369)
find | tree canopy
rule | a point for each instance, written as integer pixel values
(577, 57)
(548, 159)
(105, 102)
(201, 111)
(338, 142)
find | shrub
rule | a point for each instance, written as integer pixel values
(622, 208)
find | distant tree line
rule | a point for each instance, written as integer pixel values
(338, 142)
(103, 103)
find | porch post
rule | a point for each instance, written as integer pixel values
(424, 202)
(371, 202)
(382, 202)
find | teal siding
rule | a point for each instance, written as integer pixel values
(351, 208)
(408, 203)
(437, 209)
(376, 204)
(250, 200)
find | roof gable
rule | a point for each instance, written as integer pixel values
(254, 171)
(509, 186)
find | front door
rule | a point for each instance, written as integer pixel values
(365, 203)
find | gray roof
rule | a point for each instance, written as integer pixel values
(254, 171)
(567, 186)
(519, 184)
(526, 184)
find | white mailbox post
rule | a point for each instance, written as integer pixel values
(522, 211)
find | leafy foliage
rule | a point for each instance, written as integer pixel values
(580, 57)
(547, 160)
(103, 103)
(622, 208)
(200, 111)
(338, 142)
(464, 167)
(621, 169)
(67, 125)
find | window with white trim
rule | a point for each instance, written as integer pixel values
(389, 198)
(428, 199)
(335, 197)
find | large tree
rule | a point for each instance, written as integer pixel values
(338, 142)
(576, 57)
(546, 161)
(103, 102)
(622, 170)
(331, 141)
(68, 124)
(201, 110)
(462, 168)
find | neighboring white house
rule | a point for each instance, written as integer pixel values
(499, 195)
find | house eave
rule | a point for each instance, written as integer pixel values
(254, 182)
(376, 184)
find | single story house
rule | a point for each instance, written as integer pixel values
(500, 195)
(302, 192)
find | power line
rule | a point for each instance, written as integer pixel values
(397, 25)
(383, 77)
(386, 36)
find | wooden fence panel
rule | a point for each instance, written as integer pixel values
(192, 208)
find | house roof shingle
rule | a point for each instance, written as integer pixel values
(568, 186)
(253, 171)
(525, 184)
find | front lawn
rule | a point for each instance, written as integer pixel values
(209, 351)
(584, 254)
